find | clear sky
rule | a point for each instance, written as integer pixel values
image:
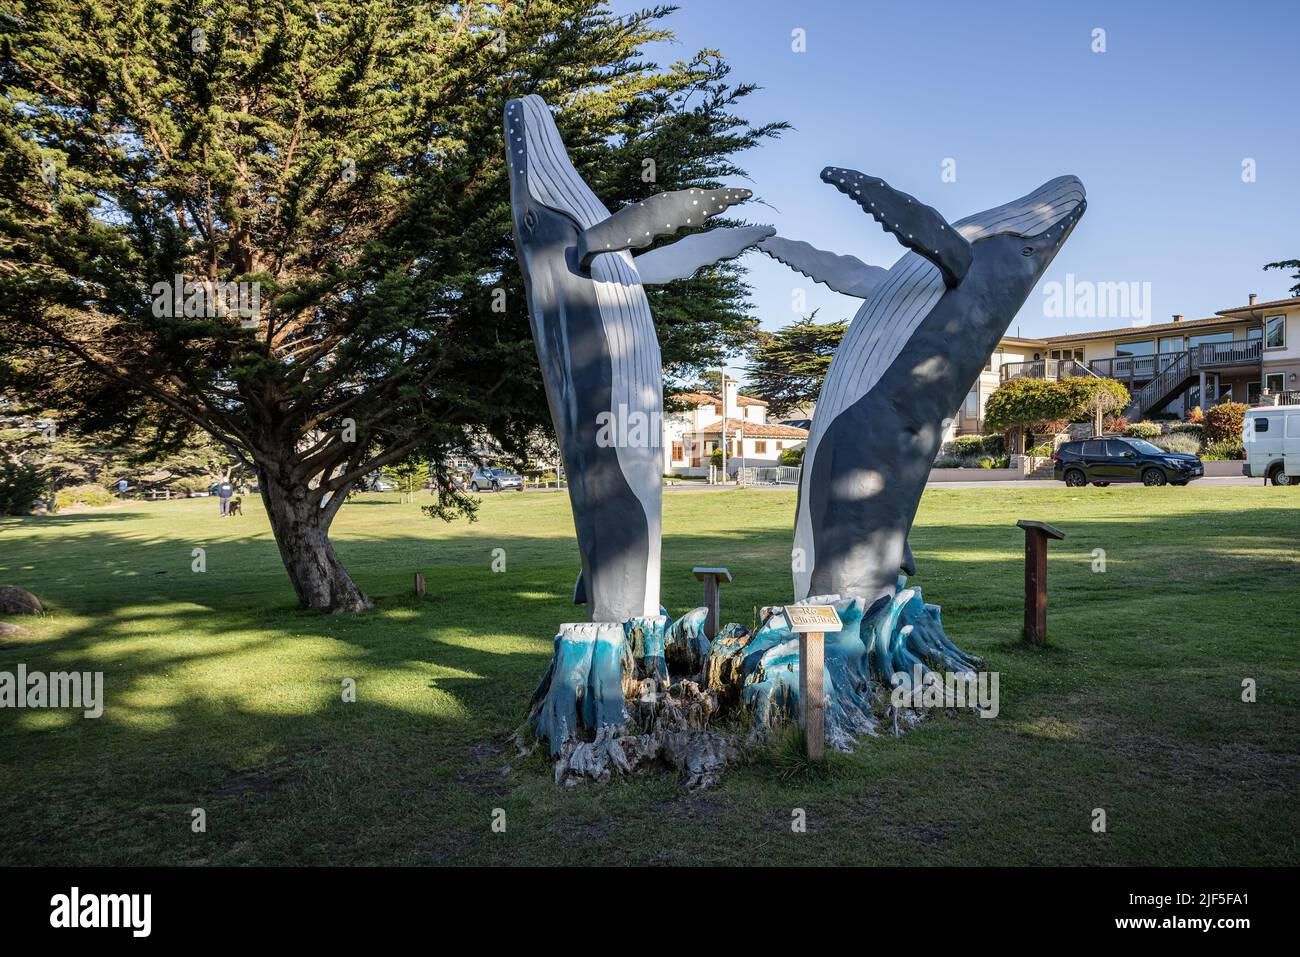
(1157, 127)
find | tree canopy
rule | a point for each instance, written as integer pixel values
(787, 368)
(324, 186)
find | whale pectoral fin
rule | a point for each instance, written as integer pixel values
(681, 259)
(580, 591)
(918, 227)
(908, 565)
(638, 225)
(846, 274)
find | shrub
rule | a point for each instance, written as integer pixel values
(966, 446)
(1189, 428)
(1229, 451)
(20, 485)
(1223, 422)
(93, 495)
(1041, 451)
(194, 483)
(1177, 442)
(1114, 423)
(994, 462)
(716, 458)
(792, 456)
(1143, 430)
(1195, 415)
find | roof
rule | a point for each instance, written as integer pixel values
(1272, 304)
(702, 397)
(1154, 327)
(755, 430)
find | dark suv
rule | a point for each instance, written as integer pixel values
(1102, 461)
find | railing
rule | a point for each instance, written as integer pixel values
(1042, 369)
(1286, 397)
(1229, 353)
(1172, 375)
(779, 475)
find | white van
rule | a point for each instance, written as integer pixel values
(1271, 437)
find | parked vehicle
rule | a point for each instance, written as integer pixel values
(1270, 435)
(1116, 459)
(496, 480)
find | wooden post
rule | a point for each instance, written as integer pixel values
(419, 585)
(1036, 536)
(811, 622)
(712, 578)
(812, 696)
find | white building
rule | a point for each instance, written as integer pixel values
(691, 436)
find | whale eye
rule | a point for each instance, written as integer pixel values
(1027, 251)
(530, 220)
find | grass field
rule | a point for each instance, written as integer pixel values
(222, 695)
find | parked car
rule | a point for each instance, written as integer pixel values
(1271, 437)
(1115, 459)
(496, 480)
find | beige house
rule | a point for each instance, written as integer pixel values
(691, 436)
(1248, 353)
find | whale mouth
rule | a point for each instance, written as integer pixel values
(1059, 200)
(540, 163)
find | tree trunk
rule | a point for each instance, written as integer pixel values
(301, 529)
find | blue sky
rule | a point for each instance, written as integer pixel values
(1157, 127)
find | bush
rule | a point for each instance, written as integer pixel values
(1176, 442)
(1223, 423)
(1143, 430)
(1189, 428)
(966, 446)
(716, 458)
(1041, 451)
(194, 483)
(994, 462)
(93, 495)
(1114, 424)
(20, 485)
(1229, 451)
(793, 456)
(1195, 415)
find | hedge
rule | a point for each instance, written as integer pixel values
(1223, 422)
(1143, 430)
(83, 495)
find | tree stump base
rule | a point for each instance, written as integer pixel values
(653, 696)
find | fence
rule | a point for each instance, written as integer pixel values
(780, 475)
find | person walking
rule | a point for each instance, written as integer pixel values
(224, 491)
(121, 488)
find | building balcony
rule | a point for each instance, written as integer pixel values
(1208, 355)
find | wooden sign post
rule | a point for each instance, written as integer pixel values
(1036, 536)
(811, 622)
(712, 578)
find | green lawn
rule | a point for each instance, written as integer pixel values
(221, 694)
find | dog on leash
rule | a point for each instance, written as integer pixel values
(236, 506)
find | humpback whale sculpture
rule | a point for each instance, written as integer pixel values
(598, 349)
(926, 327)
(923, 333)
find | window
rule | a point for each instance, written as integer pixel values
(1140, 347)
(1094, 450)
(760, 447)
(1275, 332)
(1171, 343)
(679, 452)
(1253, 333)
(1275, 382)
(972, 402)
(1209, 337)
(1252, 393)
(1118, 450)
(1293, 426)
(1261, 424)
(779, 446)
